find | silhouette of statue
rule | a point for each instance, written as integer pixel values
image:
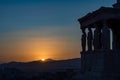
(116, 44)
(96, 39)
(83, 40)
(89, 39)
(105, 38)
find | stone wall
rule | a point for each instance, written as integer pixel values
(101, 65)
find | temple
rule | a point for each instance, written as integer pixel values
(100, 42)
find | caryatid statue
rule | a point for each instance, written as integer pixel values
(83, 40)
(105, 37)
(96, 39)
(90, 39)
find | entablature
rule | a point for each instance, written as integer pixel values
(99, 15)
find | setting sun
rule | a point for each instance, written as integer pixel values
(42, 59)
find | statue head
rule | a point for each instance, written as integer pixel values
(83, 30)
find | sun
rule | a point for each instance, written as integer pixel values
(43, 59)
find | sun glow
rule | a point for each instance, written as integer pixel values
(43, 60)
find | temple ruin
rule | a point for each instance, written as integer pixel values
(100, 43)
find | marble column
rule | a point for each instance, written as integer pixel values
(83, 40)
(105, 36)
(90, 39)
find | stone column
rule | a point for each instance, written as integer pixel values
(90, 39)
(83, 40)
(105, 36)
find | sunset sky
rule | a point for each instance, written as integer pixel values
(37, 29)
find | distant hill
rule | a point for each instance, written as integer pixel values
(48, 65)
(38, 70)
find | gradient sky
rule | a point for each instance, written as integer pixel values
(36, 29)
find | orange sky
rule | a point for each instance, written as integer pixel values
(19, 47)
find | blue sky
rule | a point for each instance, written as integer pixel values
(22, 20)
(24, 14)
